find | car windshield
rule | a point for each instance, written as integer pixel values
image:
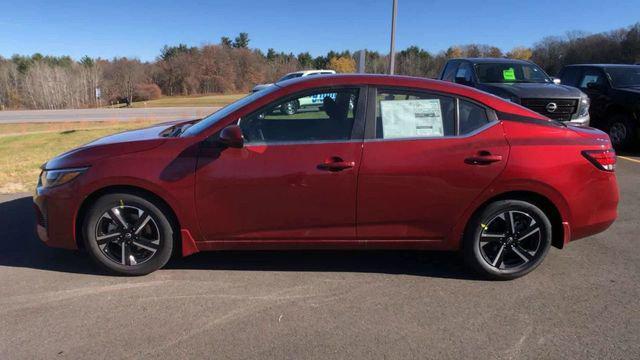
(290, 76)
(225, 111)
(505, 72)
(627, 76)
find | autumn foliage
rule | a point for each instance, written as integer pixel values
(231, 66)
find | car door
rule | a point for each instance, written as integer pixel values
(598, 91)
(426, 157)
(294, 178)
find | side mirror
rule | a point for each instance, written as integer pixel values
(231, 136)
(594, 86)
(462, 81)
(556, 80)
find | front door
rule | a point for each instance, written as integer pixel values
(425, 160)
(294, 179)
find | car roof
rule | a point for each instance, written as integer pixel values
(306, 72)
(399, 81)
(603, 65)
(494, 60)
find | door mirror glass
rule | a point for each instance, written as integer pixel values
(556, 80)
(231, 136)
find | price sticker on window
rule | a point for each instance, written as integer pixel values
(509, 74)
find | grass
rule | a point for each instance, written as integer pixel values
(24, 147)
(177, 101)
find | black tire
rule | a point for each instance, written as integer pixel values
(623, 131)
(289, 108)
(522, 250)
(147, 249)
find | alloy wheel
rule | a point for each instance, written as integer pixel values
(127, 235)
(510, 240)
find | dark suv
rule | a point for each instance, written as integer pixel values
(521, 82)
(615, 98)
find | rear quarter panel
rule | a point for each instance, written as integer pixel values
(548, 160)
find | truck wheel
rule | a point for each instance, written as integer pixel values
(622, 131)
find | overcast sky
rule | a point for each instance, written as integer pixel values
(140, 28)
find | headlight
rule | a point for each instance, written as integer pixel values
(584, 107)
(51, 178)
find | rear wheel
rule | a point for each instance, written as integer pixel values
(507, 239)
(128, 234)
(622, 131)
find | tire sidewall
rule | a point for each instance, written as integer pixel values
(629, 127)
(159, 259)
(471, 249)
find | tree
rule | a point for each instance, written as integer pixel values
(305, 60)
(241, 41)
(225, 41)
(342, 64)
(520, 52)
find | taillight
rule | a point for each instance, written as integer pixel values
(602, 159)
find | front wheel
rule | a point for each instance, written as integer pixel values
(127, 234)
(507, 239)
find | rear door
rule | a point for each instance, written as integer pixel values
(426, 157)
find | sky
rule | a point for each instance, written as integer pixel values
(141, 28)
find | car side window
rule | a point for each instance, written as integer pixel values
(449, 71)
(592, 76)
(570, 75)
(472, 117)
(401, 114)
(465, 73)
(319, 115)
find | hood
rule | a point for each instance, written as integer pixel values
(632, 90)
(112, 145)
(532, 90)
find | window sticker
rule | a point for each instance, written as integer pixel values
(509, 74)
(411, 118)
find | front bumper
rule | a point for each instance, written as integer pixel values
(583, 121)
(56, 210)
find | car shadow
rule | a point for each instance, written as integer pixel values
(20, 247)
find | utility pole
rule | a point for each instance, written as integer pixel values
(392, 51)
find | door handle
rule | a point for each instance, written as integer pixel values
(334, 164)
(483, 158)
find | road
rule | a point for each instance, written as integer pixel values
(124, 114)
(583, 302)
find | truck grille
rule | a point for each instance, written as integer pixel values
(564, 107)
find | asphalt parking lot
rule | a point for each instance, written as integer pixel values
(583, 302)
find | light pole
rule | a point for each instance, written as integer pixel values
(392, 50)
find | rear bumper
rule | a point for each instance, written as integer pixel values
(594, 208)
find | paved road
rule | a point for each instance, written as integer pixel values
(158, 114)
(583, 302)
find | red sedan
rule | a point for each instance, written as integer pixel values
(371, 162)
